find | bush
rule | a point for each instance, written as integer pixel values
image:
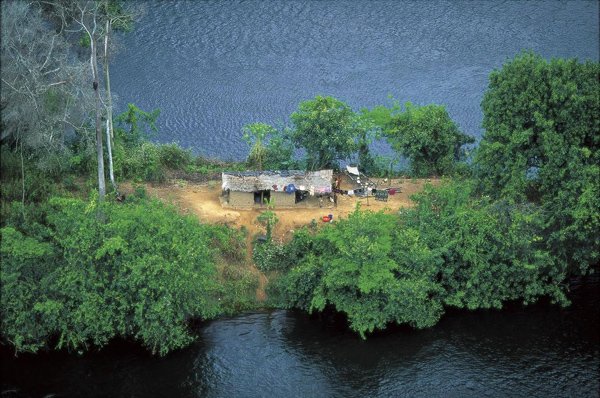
(268, 256)
(86, 273)
(452, 249)
(141, 163)
(239, 288)
(491, 251)
(174, 157)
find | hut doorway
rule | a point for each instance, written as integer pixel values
(262, 197)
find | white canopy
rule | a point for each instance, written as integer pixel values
(353, 170)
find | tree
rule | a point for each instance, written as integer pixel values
(40, 79)
(452, 249)
(116, 18)
(327, 129)
(270, 148)
(42, 95)
(369, 269)
(86, 15)
(95, 19)
(428, 137)
(489, 252)
(255, 135)
(142, 273)
(541, 140)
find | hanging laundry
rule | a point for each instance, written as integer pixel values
(302, 188)
(311, 191)
(290, 188)
(350, 192)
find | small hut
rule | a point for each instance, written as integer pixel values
(286, 189)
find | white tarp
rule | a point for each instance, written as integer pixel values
(353, 170)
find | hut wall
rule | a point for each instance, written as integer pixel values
(283, 199)
(241, 199)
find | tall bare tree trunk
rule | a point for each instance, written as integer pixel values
(109, 121)
(99, 150)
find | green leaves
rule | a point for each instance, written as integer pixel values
(428, 137)
(327, 129)
(133, 269)
(451, 249)
(542, 135)
(492, 251)
(352, 266)
(270, 148)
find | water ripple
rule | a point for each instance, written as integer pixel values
(213, 66)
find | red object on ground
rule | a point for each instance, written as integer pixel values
(326, 219)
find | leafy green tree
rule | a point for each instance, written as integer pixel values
(140, 271)
(367, 268)
(270, 148)
(427, 136)
(255, 135)
(451, 249)
(541, 140)
(490, 251)
(135, 126)
(327, 129)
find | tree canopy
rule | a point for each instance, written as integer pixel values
(72, 280)
(428, 137)
(541, 140)
(452, 249)
(327, 129)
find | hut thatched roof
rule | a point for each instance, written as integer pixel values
(250, 181)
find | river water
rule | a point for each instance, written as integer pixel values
(214, 66)
(538, 351)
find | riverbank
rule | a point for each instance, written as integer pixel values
(201, 199)
(540, 351)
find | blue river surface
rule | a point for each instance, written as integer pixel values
(213, 66)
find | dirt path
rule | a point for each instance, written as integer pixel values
(202, 200)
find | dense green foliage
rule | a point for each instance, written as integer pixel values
(426, 135)
(541, 144)
(270, 149)
(489, 251)
(429, 138)
(368, 268)
(78, 274)
(450, 250)
(326, 128)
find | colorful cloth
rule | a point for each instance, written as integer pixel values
(290, 188)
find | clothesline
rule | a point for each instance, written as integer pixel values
(361, 191)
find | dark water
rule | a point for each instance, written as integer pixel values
(539, 351)
(213, 66)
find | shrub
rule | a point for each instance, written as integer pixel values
(174, 157)
(93, 272)
(142, 163)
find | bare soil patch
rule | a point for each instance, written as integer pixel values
(202, 200)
